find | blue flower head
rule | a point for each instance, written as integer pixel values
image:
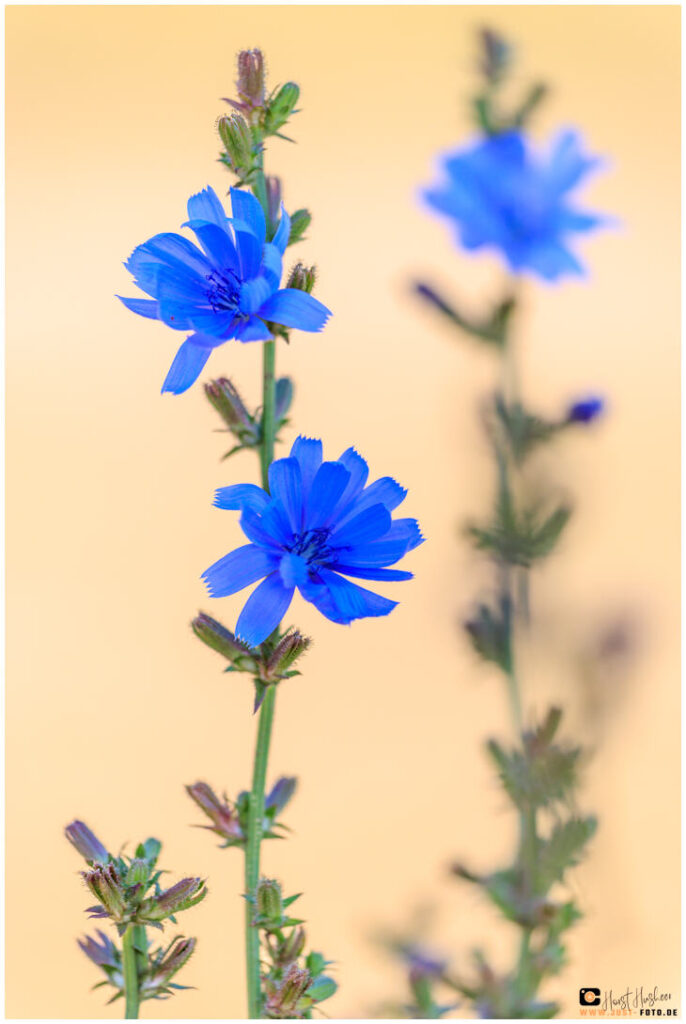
(503, 194)
(227, 288)
(586, 409)
(318, 524)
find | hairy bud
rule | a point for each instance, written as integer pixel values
(280, 108)
(220, 812)
(88, 845)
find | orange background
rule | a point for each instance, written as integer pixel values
(113, 705)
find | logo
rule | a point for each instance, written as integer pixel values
(589, 996)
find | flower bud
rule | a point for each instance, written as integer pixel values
(282, 1001)
(236, 136)
(495, 55)
(280, 794)
(585, 410)
(250, 81)
(222, 640)
(138, 873)
(222, 815)
(288, 951)
(224, 397)
(283, 397)
(286, 653)
(273, 187)
(161, 973)
(302, 278)
(269, 902)
(300, 222)
(88, 845)
(280, 108)
(181, 896)
(103, 953)
(105, 884)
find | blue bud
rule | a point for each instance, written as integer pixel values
(585, 410)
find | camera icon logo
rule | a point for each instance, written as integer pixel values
(589, 996)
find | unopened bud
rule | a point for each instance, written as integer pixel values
(88, 845)
(250, 81)
(268, 901)
(224, 397)
(495, 55)
(222, 815)
(286, 653)
(302, 278)
(282, 1001)
(273, 186)
(103, 953)
(281, 794)
(236, 136)
(280, 108)
(181, 896)
(105, 884)
(138, 873)
(288, 951)
(585, 410)
(222, 640)
(161, 973)
(300, 222)
(283, 397)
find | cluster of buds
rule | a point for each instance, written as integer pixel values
(129, 895)
(230, 818)
(246, 427)
(494, 64)
(268, 664)
(293, 982)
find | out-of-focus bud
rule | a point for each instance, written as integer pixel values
(302, 278)
(103, 953)
(300, 222)
(105, 884)
(181, 896)
(288, 951)
(138, 873)
(283, 397)
(222, 640)
(250, 81)
(490, 634)
(495, 56)
(283, 999)
(280, 108)
(224, 397)
(281, 794)
(88, 845)
(285, 654)
(269, 903)
(234, 131)
(586, 409)
(161, 972)
(273, 187)
(223, 816)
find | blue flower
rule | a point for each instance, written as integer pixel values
(318, 524)
(227, 288)
(504, 195)
(585, 410)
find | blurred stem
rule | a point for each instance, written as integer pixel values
(268, 402)
(131, 992)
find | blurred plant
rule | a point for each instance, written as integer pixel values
(129, 895)
(500, 193)
(309, 526)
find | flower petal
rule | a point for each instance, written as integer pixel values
(384, 491)
(330, 481)
(187, 366)
(253, 293)
(218, 245)
(266, 534)
(241, 496)
(238, 569)
(249, 250)
(387, 575)
(359, 471)
(272, 266)
(309, 453)
(369, 525)
(252, 329)
(245, 207)
(283, 232)
(263, 610)
(355, 602)
(285, 484)
(292, 308)
(144, 307)
(205, 205)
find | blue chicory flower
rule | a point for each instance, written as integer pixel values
(585, 410)
(504, 194)
(228, 288)
(318, 524)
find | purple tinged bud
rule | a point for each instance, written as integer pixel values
(288, 951)
(161, 973)
(222, 640)
(281, 794)
(285, 654)
(103, 953)
(586, 409)
(273, 186)
(303, 278)
(224, 397)
(88, 845)
(220, 812)
(282, 1000)
(105, 884)
(234, 131)
(250, 82)
(181, 896)
(138, 873)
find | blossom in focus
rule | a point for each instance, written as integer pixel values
(319, 523)
(227, 288)
(505, 194)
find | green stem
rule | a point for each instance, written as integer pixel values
(252, 852)
(268, 401)
(130, 974)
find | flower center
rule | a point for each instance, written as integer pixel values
(312, 545)
(223, 290)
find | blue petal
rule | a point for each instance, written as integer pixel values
(285, 484)
(176, 251)
(275, 521)
(253, 293)
(407, 530)
(263, 610)
(330, 481)
(245, 207)
(205, 205)
(369, 525)
(240, 496)
(272, 267)
(293, 308)
(316, 592)
(552, 261)
(283, 232)
(293, 569)
(218, 245)
(359, 471)
(355, 602)
(238, 569)
(388, 575)
(144, 307)
(266, 534)
(567, 163)
(252, 329)
(384, 491)
(309, 453)
(223, 325)
(179, 282)
(250, 252)
(187, 366)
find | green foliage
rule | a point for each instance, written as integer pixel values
(520, 538)
(562, 850)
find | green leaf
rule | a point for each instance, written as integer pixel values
(562, 850)
(322, 988)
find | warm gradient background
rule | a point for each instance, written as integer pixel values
(113, 705)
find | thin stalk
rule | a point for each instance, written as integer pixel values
(268, 402)
(131, 993)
